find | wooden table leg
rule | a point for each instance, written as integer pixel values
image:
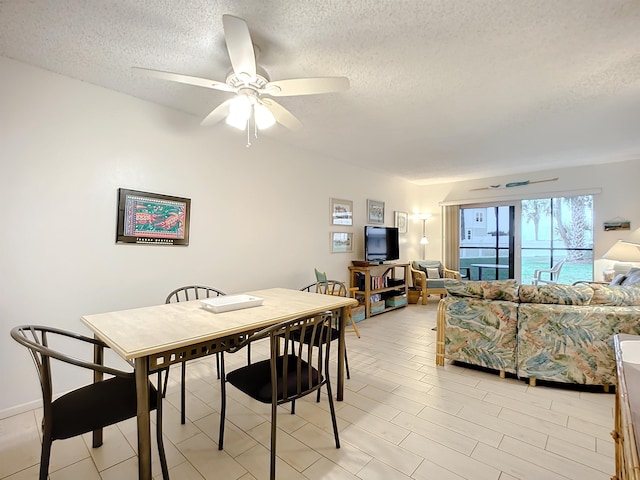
(440, 331)
(144, 421)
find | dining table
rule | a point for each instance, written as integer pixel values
(152, 338)
(490, 266)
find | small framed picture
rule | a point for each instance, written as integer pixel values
(401, 221)
(341, 212)
(341, 242)
(617, 225)
(375, 211)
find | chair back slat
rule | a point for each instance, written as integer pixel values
(192, 292)
(311, 360)
(328, 287)
(28, 336)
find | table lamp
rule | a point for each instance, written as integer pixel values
(622, 251)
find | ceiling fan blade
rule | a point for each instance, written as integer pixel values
(282, 115)
(306, 86)
(240, 47)
(218, 113)
(178, 77)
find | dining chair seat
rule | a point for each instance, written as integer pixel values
(96, 405)
(255, 379)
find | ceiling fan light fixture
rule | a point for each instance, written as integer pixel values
(264, 117)
(250, 110)
(239, 112)
(236, 121)
(241, 106)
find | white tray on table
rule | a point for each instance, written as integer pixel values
(226, 303)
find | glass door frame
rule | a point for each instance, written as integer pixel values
(514, 235)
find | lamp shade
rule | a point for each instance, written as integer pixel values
(264, 117)
(623, 252)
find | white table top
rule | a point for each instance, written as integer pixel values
(145, 331)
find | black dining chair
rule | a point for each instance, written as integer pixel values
(88, 408)
(290, 373)
(185, 294)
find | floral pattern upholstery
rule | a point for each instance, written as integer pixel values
(558, 294)
(616, 296)
(481, 332)
(572, 344)
(506, 290)
(556, 333)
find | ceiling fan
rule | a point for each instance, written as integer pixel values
(251, 84)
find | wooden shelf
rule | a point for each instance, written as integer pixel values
(368, 276)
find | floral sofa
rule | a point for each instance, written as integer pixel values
(557, 333)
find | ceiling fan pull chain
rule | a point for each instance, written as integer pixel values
(252, 117)
(255, 125)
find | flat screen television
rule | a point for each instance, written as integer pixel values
(381, 244)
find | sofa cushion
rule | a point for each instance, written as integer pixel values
(506, 290)
(632, 277)
(556, 294)
(616, 295)
(438, 283)
(423, 265)
(433, 273)
(618, 279)
(464, 288)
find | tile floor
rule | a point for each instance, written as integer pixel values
(402, 418)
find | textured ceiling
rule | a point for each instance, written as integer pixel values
(440, 90)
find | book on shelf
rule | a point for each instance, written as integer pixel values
(379, 282)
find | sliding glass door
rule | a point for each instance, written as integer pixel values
(487, 242)
(514, 240)
(556, 230)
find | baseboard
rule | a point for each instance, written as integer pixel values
(18, 409)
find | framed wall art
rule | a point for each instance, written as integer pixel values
(401, 221)
(341, 242)
(617, 224)
(152, 218)
(375, 211)
(341, 212)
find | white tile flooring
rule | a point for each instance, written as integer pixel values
(402, 418)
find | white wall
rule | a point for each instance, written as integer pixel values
(260, 216)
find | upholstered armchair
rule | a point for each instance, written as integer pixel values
(428, 276)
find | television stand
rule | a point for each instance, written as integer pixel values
(381, 279)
